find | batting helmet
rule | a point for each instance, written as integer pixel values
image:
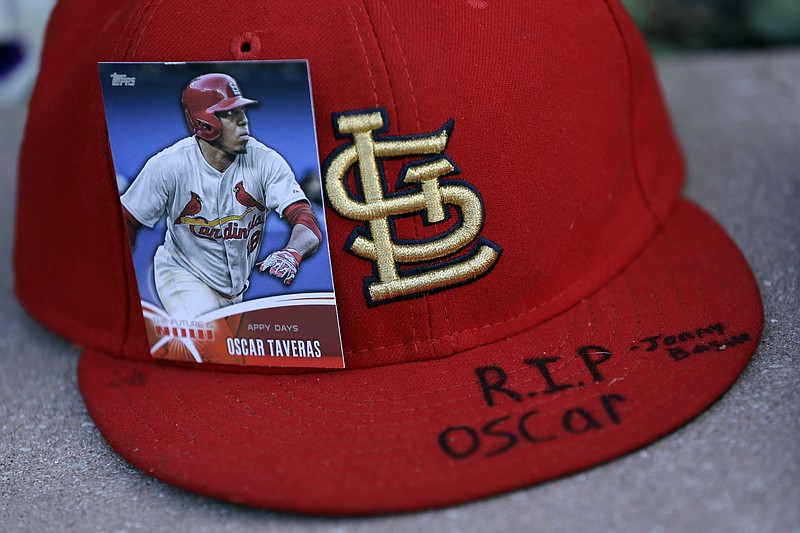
(206, 95)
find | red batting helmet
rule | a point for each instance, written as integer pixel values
(206, 95)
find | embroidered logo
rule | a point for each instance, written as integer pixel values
(406, 269)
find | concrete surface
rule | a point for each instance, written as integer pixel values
(735, 468)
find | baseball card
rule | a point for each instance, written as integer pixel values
(220, 195)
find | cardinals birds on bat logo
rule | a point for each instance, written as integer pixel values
(244, 197)
(191, 208)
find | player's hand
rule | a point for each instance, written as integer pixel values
(282, 264)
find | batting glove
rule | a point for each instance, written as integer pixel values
(282, 264)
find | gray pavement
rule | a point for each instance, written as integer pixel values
(735, 468)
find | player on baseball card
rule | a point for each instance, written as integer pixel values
(220, 194)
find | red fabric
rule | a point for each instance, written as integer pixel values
(559, 127)
(543, 128)
(365, 441)
(655, 151)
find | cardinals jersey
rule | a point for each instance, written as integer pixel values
(215, 220)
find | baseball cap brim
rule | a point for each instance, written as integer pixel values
(231, 103)
(680, 322)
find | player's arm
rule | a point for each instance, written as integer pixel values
(306, 234)
(304, 240)
(132, 225)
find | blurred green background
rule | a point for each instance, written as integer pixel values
(672, 25)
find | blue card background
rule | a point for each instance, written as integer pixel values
(148, 117)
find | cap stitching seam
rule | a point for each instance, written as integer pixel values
(130, 21)
(134, 32)
(426, 297)
(405, 64)
(631, 111)
(128, 330)
(364, 51)
(139, 33)
(377, 103)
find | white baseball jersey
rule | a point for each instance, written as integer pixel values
(215, 220)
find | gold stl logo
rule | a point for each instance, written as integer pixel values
(408, 268)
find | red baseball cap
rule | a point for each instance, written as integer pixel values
(592, 311)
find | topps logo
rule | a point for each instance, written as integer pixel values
(118, 80)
